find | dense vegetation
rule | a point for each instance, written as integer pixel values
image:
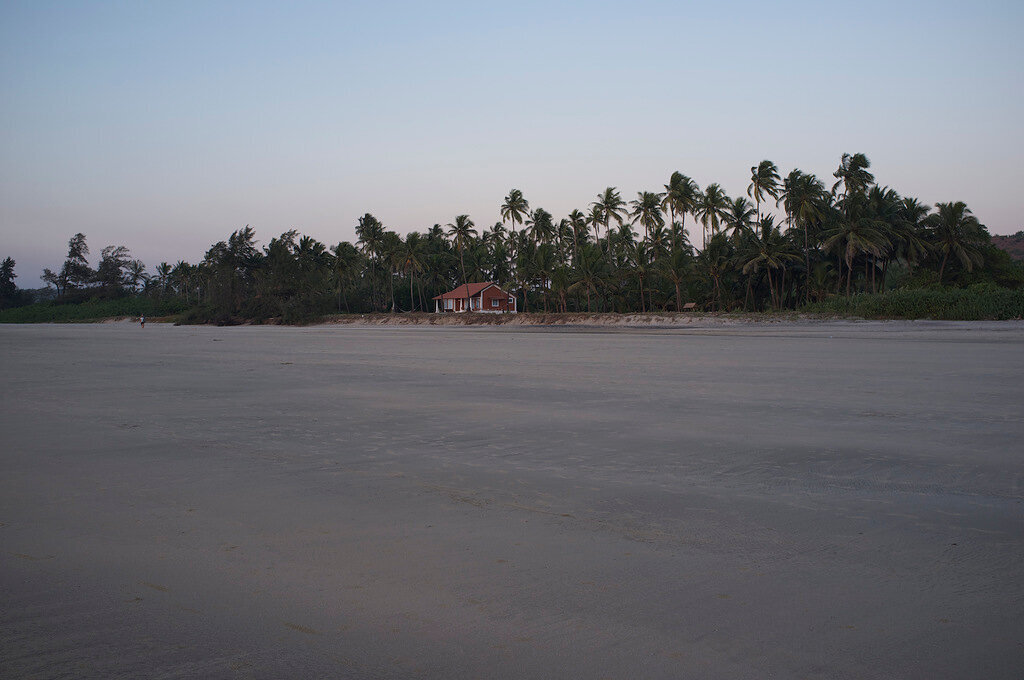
(92, 310)
(854, 248)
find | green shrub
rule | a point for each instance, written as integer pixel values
(978, 302)
(91, 310)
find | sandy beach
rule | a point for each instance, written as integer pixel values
(787, 500)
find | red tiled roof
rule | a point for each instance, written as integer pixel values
(460, 293)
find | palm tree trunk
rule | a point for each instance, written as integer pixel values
(807, 265)
(462, 262)
(942, 269)
(391, 288)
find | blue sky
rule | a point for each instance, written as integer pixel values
(163, 126)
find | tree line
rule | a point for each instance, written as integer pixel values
(613, 255)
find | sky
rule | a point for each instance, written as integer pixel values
(165, 126)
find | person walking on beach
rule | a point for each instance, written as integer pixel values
(142, 320)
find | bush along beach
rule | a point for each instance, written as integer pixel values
(851, 247)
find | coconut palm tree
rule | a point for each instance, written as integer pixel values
(764, 180)
(346, 264)
(710, 209)
(611, 206)
(680, 197)
(163, 277)
(803, 197)
(850, 237)
(660, 241)
(852, 175)
(578, 225)
(739, 216)
(370, 236)
(771, 251)
(413, 262)
(639, 259)
(677, 267)
(544, 264)
(713, 262)
(910, 238)
(595, 218)
(646, 209)
(591, 271)
(135, 275)
(515, 208)
(392, 254)
(461, 232)
(541, 225)
(954, 230)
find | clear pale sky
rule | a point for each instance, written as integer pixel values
(164, 126)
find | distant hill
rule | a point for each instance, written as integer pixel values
(1013, 244)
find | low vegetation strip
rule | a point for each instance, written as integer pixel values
(92, 310)
(976, 303)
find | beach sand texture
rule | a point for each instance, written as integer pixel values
(795, 500)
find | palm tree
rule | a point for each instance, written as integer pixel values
(163, 277)
(542, 226)
(910, 242)
(954, 230)
(370, 235)
(739, 216)
(660, 240)
(714, 263)
(681, 194)
(710, 209)
(677, 268)
(591, 270)
(346, 263)
(639, 259)
(413, 262)
(647, 211)
(543, 266)
(802, 196)
(461, 232)
(853, 175)
(136, 275)
(764, 179)
(578, 225)
(595, 218)
(611, 206)
(769, 250)
(849, 238)
(515, 208)
(392, 253)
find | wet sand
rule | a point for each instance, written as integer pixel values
(812, 500)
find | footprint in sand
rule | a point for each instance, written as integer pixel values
(302, 629)
(155, 586)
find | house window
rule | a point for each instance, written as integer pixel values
(495, 302)
(449, 304)
(511, 301)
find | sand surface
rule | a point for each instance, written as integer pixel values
(814, 500)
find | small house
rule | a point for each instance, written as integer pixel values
(476, 297)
